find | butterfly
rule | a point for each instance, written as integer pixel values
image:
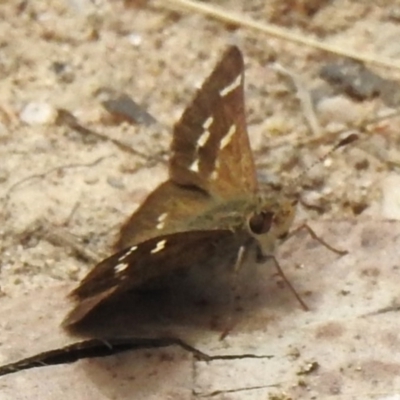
(210, 210)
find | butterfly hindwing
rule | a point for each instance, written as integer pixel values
(164, 211)
(140, 264)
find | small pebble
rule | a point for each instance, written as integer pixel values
(36, 113)
(391, 197)
(135, 39)
(115, 182)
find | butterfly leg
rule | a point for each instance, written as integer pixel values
(233, 292)
(317, 238)
(289, 285)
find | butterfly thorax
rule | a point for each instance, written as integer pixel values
(266, 219)
(225, 214)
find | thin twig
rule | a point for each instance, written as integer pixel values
(241, 20)
(60, 237)
(44, 174)
(363, 126)
(304, 97)
(64, 116)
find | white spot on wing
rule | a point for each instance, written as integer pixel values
(127, 253)
(228, 137)
(203, 138)
(121, 267)
(195, 165)
(159, 246)
(208, 122)
(232, 86)
(131, 250)
(161, 221)
(206, 133)
(214, 174)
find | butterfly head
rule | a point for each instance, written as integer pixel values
(271, 222)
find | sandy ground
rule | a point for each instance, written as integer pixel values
(64, 54)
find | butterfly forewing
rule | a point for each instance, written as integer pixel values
(141, 264)
(210, 148)
(210, 160)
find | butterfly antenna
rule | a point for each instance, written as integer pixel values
(352, 137)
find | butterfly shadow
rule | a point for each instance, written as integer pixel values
(196, 306)
(196, 301)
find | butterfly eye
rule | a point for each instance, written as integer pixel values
(261, 222)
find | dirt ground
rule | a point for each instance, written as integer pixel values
(56, 181)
